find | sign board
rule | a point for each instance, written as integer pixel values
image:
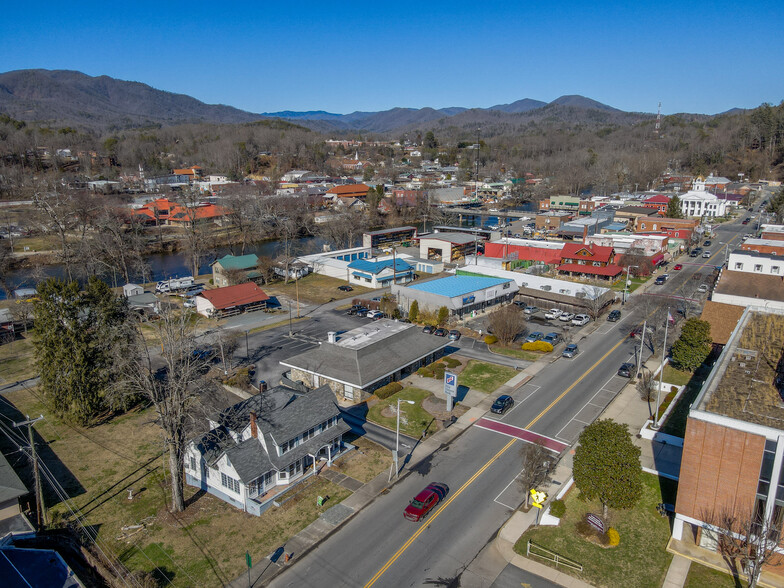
(469, 299)
(538, 498)
(450, 384)
(595, 521)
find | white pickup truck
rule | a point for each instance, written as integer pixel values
(553, 313)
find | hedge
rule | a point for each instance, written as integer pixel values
(558, 508)
(388, 390)
(451, 362)
(425, 372)
(538, 346)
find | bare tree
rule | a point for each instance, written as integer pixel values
(537, 464)
(172, 380)
(746, 539)
(227, 342)
(506, 323)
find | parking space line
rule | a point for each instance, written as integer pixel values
(505, 489)
(520, 402)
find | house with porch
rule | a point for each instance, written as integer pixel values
(231, 300)
(589, 261)
(262, 446)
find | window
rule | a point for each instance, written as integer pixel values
(757, 267)
(230, 483)
(774, 269)
(193, 463)
(738, 266)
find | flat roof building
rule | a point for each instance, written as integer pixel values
(460, 294)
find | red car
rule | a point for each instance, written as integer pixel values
(678, 266)
(425, 501)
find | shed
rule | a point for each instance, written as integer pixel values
(132, 290)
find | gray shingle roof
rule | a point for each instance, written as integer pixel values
(249, 459)
(10, 485)
(361, 367)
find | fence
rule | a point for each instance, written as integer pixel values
(551, 556)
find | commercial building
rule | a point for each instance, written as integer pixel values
(768, 246)
(525, 250)
(733, 451)
(231, 300)
(460, 294)
(380, 273)
(744, 288)
(589, 261)
(447, 247)
(355, 363)
(698, 202)
(389, 237)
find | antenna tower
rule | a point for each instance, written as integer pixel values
(657, 128)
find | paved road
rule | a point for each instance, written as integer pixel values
(513, 577)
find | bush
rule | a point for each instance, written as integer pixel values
(613, 538)
(451, 362)
(542, 346)
(240, 380)
(490, 339)
(438, 371)
(413, 311)
(558, 508)
(425, 372)
(388, 390)
(443, 315)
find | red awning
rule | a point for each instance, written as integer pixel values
(657, 259)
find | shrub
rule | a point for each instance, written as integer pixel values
(425, 372)
(490, 339)
(451, 362)
(240, 380)
(542, 346)
(558, 508)
(413, 311)
(438, 371)
(613, 538)
(388, 390)
(443, 315)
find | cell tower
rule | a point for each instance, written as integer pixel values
(657, 128)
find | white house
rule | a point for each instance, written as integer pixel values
(261, 446)
(698, 202)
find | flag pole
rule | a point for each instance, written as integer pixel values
(655, 425)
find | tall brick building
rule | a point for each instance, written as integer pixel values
(733, 451)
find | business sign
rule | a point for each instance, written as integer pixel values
(538, 498)
(595, 521)
(450, 384)
(469, 299)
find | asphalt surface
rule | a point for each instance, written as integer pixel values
(379, 547)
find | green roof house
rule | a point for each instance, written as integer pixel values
(230, 270)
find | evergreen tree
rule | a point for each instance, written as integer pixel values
(607, 465)
(443, 315)
(75, 338)
(413, 311)
(694, 345)
(674, 207)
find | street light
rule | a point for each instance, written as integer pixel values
(397, 431)
(626, 283)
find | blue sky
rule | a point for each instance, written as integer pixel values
(267, 56)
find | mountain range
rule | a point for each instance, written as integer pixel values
(59, 97)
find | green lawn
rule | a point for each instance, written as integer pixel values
(517, 353)
(640, 560)
(705, 577)
(675, 376)
(17, 361)
(413, 418)
(485, 377)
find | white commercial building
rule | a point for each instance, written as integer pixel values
(698, 202)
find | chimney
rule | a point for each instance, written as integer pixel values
(254, 431)
(585, 233)
(332, 337)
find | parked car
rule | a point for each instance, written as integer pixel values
(454, 335)
(678, 266)
(552, 338)
(345, 288)
(502, 404)
(553, 313)
(428, 330)
(627, 370)
(703, 288)
(373, 313)
(424, 502)
(519, 303)
(566, 317)
(580, 320)
(570, 350)
(534, 337)
(189, 303)
(706, 243)
(615, 315)
(530, 310)
(706, 255)
(440, 332)
(362, 312)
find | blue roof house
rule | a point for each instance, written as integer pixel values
(461, 294)
(379, 274)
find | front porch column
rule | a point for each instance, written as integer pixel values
(329, 455)
(677, 528)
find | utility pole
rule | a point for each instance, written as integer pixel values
(39, 496)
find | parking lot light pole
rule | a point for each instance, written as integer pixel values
(397, 432)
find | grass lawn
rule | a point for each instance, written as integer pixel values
(675, 376)
(516, 352)
(641, 558)
(486, 377)
(705, 577)
(17, 361)
(40, 243)
(413, 418)
(315, 289)
(365, 462)
(635, 283)
(204, 545)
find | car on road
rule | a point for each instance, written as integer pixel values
(570, 350)
(566, 317)
(530, 310)
(373, 313)
(703, 288)
(745, 222)
(454, 335)
(552, 338)
(345, 288)
(425, 501)
(440, 332)
(706, 243)
(553, 313)
(376, 299)
(502, 404)
(615, 315)
(678, 266)
(695, 252)
(706, 255)
(428, 330)
(580, 320)
(534, 337)
(627, 370)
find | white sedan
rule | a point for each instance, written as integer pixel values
(566, 317)
(553, 313)
(580, 320)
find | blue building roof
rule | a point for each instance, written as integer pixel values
(376, 267)
(453, 286)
